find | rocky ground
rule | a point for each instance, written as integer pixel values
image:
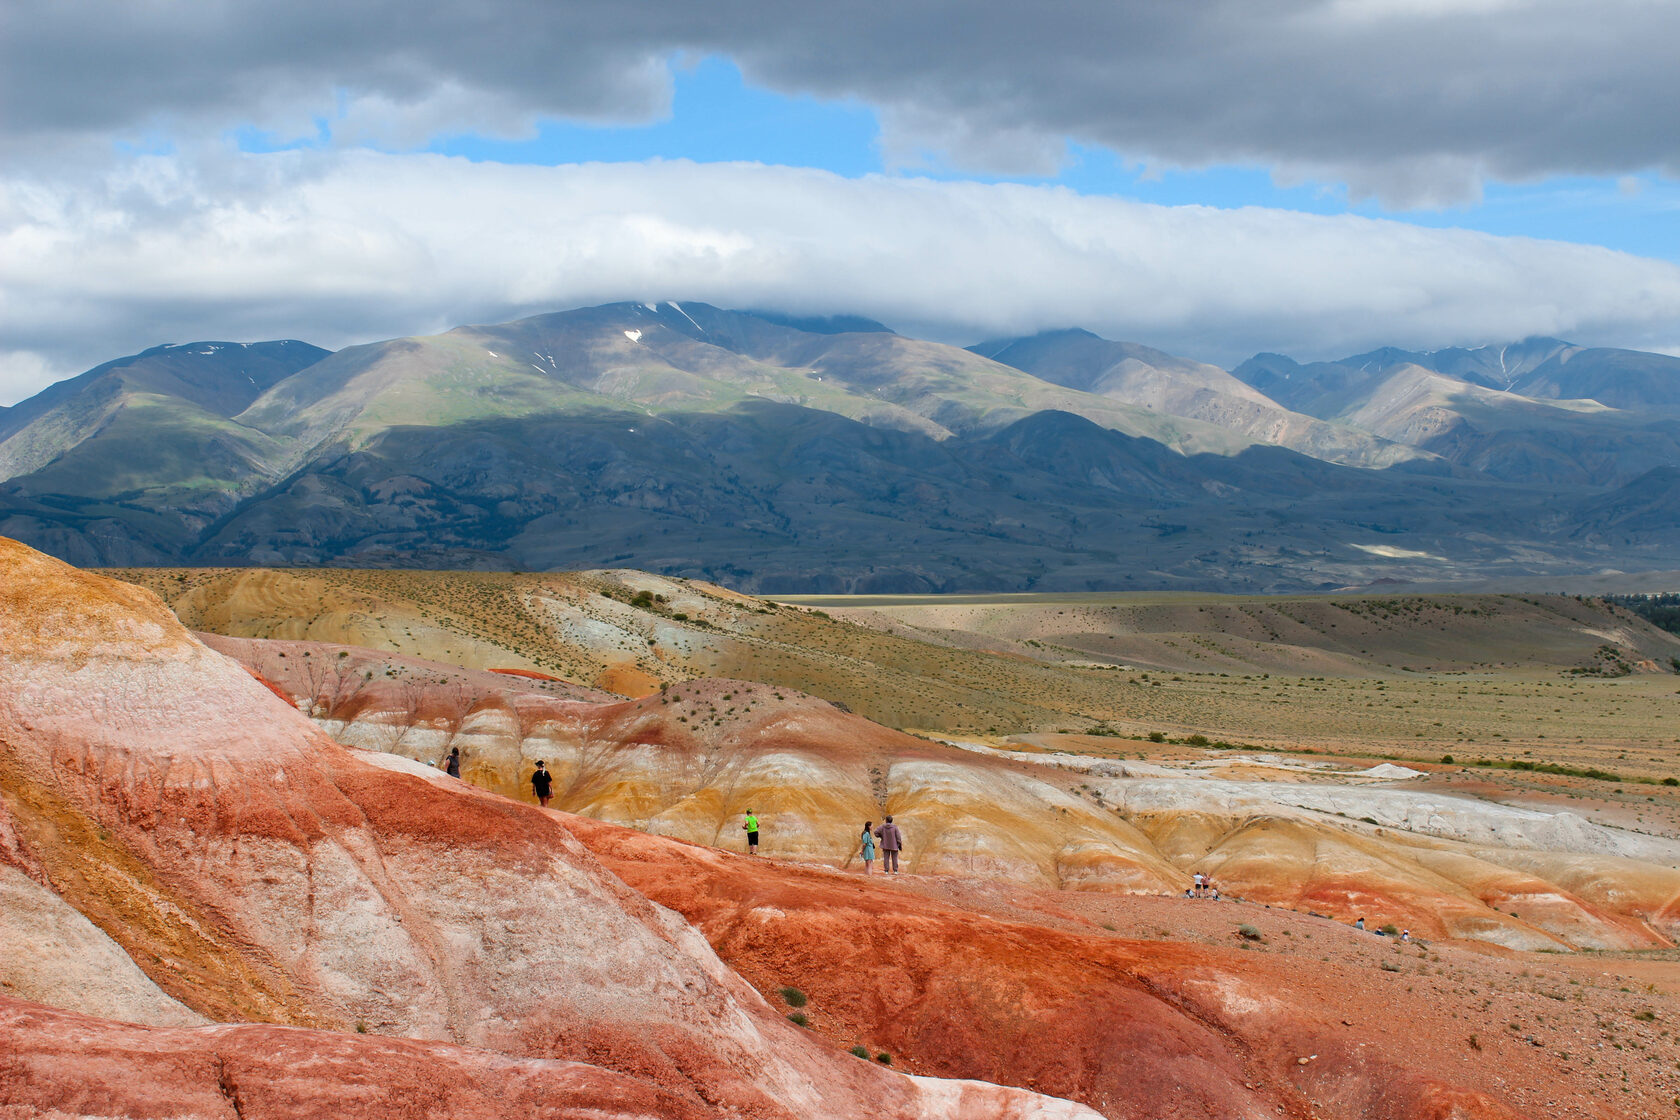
(1112, 999)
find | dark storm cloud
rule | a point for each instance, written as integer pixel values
(1417, 100)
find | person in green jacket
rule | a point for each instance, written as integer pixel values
(750, 826)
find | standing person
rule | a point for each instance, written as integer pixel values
(1200, 881)
(868, 849)
(542, 784)
(892, 841)
(750, 827)
(452, 764)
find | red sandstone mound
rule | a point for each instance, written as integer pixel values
(1135, 1029)
(59, 1064)
(688, 761)
(253, 869)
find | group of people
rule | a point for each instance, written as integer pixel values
(888, 838)
(1404, 935)
(1201, 886)
(892, 842)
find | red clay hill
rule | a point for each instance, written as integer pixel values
(230, 913)
(161, 803)
(689, 760)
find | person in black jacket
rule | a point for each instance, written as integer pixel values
(542, 784)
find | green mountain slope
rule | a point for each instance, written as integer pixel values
(1173, 386)
(1497, 432)
(689, 357)
(208, 379)
(823, 455)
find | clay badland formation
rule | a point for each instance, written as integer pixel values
(256, 894)
(1497, 674)
(162, 805)
(1316, 835)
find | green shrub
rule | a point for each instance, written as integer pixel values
(1249, 933)
(861, 1052)
(1391, 930)
(799, 1019)
(1157, 737)
(794, 997)
(1447, 758)
(1197, 740)
(884, 1058)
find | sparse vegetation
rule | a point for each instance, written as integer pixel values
(794, 997)
(1468, 671)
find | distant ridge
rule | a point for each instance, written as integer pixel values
(790, 454)
(824, 324)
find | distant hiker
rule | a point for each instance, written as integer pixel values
(1200, 882)
(1360, 924)
(452, 764)
(892, 840)
(750, 827)
(542, 784)
(1213, 891)
(1405, 935)
(868, 849)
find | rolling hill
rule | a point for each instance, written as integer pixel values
(1172, 386)
(1493, 431)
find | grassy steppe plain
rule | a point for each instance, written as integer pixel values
(1523, 678)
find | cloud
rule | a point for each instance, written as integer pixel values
(342, 247)
(1415, 101)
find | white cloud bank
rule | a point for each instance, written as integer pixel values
(348, 247)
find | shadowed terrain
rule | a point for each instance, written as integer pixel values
(836, 456)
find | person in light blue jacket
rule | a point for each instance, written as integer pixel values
(868, 849)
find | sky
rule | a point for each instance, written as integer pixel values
(1214, 178)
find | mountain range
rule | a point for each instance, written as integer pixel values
(778, 454)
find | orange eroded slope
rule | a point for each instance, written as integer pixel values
(1133, 1028)
(254, 869)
